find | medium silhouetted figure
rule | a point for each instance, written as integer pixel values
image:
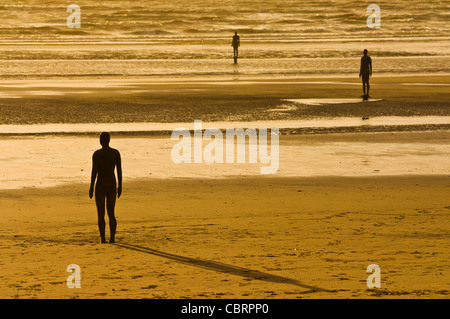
(365, 72)
(236, 43)
(104, 161)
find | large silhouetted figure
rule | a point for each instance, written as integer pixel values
(365, 72)
(104, 161)
(236, 43)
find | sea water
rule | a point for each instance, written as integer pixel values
(125, 38)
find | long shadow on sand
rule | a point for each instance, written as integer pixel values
(221, 267)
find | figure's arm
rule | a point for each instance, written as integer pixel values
(119, 174)
(93, 175)
(360, 69)
(370, 67)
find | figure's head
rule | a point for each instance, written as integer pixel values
(104, 139)
(235, 32)
(365, 51)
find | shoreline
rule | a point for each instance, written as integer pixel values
(333, 125)
(66, 158)
(284, 131)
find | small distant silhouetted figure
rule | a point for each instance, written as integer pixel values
(365, 72)
(236, 43)
(104, 161)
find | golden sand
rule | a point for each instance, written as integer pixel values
(232, 238)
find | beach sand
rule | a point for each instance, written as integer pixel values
(356, 183)
(240, 237)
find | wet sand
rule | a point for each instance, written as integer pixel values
(245, 236)
(240, 99)
(65, 159)
(232, 238)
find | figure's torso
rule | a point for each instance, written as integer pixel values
(107, 159)
(365, 64)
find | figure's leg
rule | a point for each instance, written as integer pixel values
(100, 202)
(110, 205)
(368, 87)
(364, 88)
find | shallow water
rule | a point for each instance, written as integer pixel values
(224, 67)
(57, 160)
(327, 101)
(6, 129)
(125, 38)
(185, 20)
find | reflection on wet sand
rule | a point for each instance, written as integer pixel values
(35, 129)
(53, 160)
